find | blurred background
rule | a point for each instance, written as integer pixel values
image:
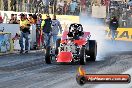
(122, 9)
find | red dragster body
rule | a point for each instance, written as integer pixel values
(74, 45)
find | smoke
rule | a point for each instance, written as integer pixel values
(105, 46)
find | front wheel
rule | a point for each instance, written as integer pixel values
(57, 45)
(82, 56)
(47, 55)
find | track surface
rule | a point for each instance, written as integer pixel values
(55, 75)
(30, 70)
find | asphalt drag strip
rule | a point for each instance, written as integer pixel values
(41, 75)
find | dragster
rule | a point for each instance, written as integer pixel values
(74, 46)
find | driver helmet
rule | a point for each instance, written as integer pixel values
(75, 29)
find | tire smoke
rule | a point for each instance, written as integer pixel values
(105, 46)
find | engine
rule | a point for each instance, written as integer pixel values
(68, 47)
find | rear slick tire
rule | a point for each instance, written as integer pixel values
(82, 56)
(93, 50)
(47, 55)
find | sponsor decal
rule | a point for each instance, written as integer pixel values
(121, 34)
(82, 78)
(5, 42)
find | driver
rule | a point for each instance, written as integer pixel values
(75, 31)
(76, 34)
